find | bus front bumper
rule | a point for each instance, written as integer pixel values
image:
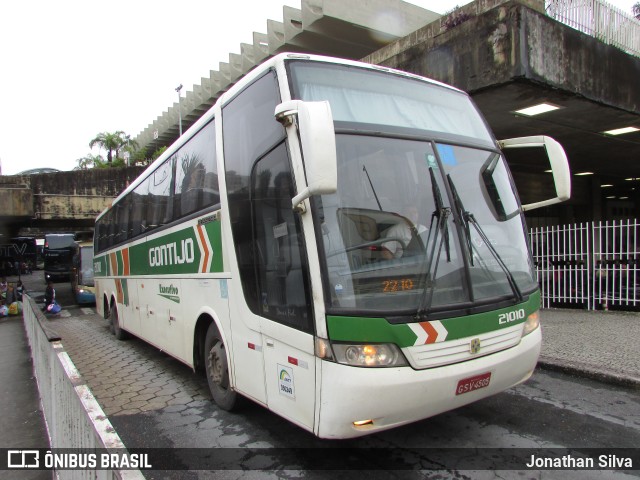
(385, 398)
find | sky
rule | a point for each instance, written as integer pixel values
(70, 69)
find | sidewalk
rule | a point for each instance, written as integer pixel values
(596, 344)
(22, 424)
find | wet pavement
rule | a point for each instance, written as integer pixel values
(137, 382)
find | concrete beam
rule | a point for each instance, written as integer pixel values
(330, 27)
(260, 46)
(372, 23)
(275, 34)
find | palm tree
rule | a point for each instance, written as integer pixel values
(127, 143)
(113, 142)
(89, 161)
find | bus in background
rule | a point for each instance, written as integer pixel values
(58, 255)
(339, 242)
(39, 254)
(82, 283)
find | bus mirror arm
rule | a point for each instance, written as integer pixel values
(558, 161)
(318, 143)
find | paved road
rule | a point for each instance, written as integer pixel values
(22, 423)
(153, 400)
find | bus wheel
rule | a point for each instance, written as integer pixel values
(115, 325)
(218, 370)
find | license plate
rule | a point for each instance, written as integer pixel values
(470, 384)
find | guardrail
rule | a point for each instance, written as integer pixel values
(74, 418)
(600, 20)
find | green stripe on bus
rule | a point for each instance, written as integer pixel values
(119, 262)
(125, 291)
(480, 323)
(374, 329)
(363, 329)
(100, 266)
(214, 232)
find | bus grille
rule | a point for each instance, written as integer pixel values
(454, 351)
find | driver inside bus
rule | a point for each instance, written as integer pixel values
(403, 233)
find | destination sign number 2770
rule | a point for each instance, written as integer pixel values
(397, 285)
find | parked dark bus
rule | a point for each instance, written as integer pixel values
(58, 255)
(82, 284)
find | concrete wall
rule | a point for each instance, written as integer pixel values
(16, 200)
(33, 204)
(485, 44)
(80, 194)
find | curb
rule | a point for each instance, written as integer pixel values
(589, 371)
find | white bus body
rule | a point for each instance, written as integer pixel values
(263, 248)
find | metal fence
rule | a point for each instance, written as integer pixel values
(589, 265)
(600, 20)
(73, 416)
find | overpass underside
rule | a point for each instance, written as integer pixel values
(514, 56)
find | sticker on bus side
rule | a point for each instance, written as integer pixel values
(285, 381)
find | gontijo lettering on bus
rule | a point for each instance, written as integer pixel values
(173, 253)
(195, 249)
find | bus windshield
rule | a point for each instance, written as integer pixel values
(376, 99)
(86, 265)
(425, 217)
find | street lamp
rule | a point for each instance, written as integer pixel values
(178, 88)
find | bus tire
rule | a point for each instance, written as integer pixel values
(115, 325)
(217, 369)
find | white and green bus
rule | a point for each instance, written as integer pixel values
(339, 242)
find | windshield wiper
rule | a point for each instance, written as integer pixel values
(440, 213)
(466, 217)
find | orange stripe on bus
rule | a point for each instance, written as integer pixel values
(125, 261)
(204, 246)
(432, 333)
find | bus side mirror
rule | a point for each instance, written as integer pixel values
(557, 160)
(318, 138)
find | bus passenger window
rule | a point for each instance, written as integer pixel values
(196, 180)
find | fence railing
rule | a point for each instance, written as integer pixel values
(590, 265)
(600, 20)
(74, 418)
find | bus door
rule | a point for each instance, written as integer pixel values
(160, 303)
(283, 291)
(271, 259)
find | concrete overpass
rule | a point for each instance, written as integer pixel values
(64, 201)
(508, 55)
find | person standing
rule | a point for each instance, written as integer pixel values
(49, 295)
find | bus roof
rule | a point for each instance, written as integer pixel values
(275, 62)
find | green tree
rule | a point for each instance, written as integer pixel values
(158, 152)
(89, 161)
(114, 143)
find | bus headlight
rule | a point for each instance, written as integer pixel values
(369, 355)
(533, 322)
